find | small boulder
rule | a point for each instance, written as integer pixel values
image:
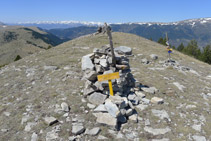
(154, 56)
(157, 100)
(77, 129)
(93, 131)
(97, 98)
(123, 50)
(50, 120)
(87, 63)
(65, 107)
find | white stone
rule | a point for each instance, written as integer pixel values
(34, 137)
(154, 56)
(162, 114)
(197, 127)
(199, 138)
(29, 126)
(65, 107)
(100, 108)
(123, 50)
(93, 131)
(158, 131)
(103, 62)
(87, 63)
(179, 86)
(100, 137)
(50, 120)
(157, 100)
(77, 129)
(106, 118)
(151, 90)
(112, 109)
(91, 106)
(140, 94)
(97, 98)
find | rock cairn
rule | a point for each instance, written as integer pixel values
(117, 109)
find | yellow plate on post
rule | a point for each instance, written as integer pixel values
(109, 76)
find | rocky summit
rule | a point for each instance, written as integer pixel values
(55, 94)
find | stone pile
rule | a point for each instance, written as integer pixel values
(117, 109)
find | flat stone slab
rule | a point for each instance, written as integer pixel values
(100, 108)
(50, 120)
(162, 114)
(97, 98)
(106, 118)
(77, 129)
(112, 109)
(87, 63)
(93, 131)
(123, 50)
(151, 90)
(157, 100)
(158, 131)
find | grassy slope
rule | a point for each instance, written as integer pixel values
(45, 88)
(23, 41)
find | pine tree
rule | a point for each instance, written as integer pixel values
(206, 55)
(192, 49)
(180, 47)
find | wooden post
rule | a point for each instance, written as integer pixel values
(108, 31)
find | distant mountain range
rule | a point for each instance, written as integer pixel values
(178, 32)
(57, 24)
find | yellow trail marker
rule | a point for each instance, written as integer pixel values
(110, 88)
(109, 77)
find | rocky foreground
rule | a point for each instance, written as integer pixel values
(42, 96)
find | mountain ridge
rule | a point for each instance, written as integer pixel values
(34, 87)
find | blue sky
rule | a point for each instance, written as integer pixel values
(112, 11)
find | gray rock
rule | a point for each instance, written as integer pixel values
(129, 112)
(100, 108)
(88, 91)
(144, 61)
(151, 90)
(158, 131)
(87, 63)
(106, 118)
(50, 120)
(140, 94)
(179, 86)
(123, 111)
(123, 50)
(103, 63)
(93, 131)
(50, 68)
(133, 98)
(199, 138)
(134, 118)
(131, 105)
(100, 137)
(29, 126)
(72, 138)
(154, 56)
(92, 75)
(197, 127)
(52, 135)
(120, 136)
(141, 107)
(65, 107)
(34, 137)
(121, 119)
(96, 61)
(145, 100)
(91, 106)
(97, 98)
(112, 108)
(99, 68)
(78, 129)
(157, 100)
(162, 114)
